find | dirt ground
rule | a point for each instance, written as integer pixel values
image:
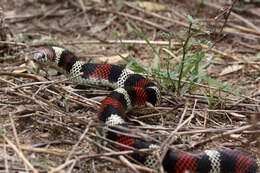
(53, 126)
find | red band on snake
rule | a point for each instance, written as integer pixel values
(134, 89)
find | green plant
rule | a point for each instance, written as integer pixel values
(2, 132)
(191, 69)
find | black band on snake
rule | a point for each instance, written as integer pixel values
(134, 89)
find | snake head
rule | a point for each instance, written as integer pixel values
(40, 56)
(45, 55)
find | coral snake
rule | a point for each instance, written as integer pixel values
(132, 89)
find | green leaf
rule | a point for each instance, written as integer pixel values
(43, 7)
(221, 86)
(3, 107)
(139, 32)
(189, 17)
(120, 4)
(156, 65)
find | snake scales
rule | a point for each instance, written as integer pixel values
(133, 89)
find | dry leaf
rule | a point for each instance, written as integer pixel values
(230, 30)
(22, 68)
(235, 136)
(151, 6)
(231, 69)
(97, 28)
(113, 59)
(9, 13)
(220, 59)
(237, 115)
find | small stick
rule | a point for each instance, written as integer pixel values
(71, 167)
(226, 55)
(16, 136)
(77, 144)
(157, 15)
(161, 43)
(233, 14)
(165, 145)
(6, 160)
(59, 168)
(251, 47)
(143, 20)
(233, 58)
(14, 131)
(237, 130)
(83, 7)
(244, 29)
(57, 152)
(115, 153)
(20, 154)
(141, 168)
(183, 114)
(128, 164)
(25, 75)
(13, 43)
(93, 166)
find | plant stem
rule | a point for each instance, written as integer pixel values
(185, 50)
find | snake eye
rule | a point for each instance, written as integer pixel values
(40, 57)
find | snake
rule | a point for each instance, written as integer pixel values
(130, 90)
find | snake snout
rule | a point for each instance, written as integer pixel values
(40, 57)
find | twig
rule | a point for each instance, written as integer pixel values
(50, 12)
(165, 145)
(141, 168)
(128, 164)
(251, 47)
(143, 20)
(183, 114)
(57, 152)
(83, 7)
(77, 144)
(138, 19)
(16, 136)
(122, 158)
(25, 94)
(59, 168)
(220, 110)
(71, 167)
(6, 160)
(226, 16)
(93, 166)
(233, 14)
(14, 131)
(92, 141)
(13, 43)
(21, 18)
(38, 83)
(157, 15)
(114, 153)
(25, 75)
(256, 119)
(244, 29)
(233, 58)
(20, 154)
(237, 130)
(162, 43)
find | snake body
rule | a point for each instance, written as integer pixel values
(132, 89)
